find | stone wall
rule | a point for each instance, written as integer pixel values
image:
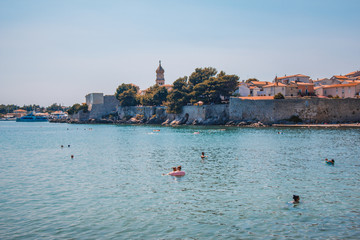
(310, 110)
(109, 106)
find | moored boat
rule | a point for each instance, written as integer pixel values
(32, 118)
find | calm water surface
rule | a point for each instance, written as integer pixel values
(114, 188)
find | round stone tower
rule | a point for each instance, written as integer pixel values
(160, 80)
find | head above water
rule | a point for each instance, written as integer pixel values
(174, 169)
(202, 153)
(179, 168)
(296, 198)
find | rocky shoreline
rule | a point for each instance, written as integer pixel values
(253, 124)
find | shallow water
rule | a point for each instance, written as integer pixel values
(114, 188)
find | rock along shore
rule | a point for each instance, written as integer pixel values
(134, 121)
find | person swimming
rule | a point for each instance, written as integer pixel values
(296, 199)
(173, 171)
(178, 172)
(331, 162)
(203, 155)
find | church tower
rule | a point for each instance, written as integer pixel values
(160, 80)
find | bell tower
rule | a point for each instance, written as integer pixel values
(160, 80)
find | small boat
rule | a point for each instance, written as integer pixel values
(32, 118)
(8, 119)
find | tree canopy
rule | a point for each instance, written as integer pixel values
(77, 107)
(127, 94)
(54, 107)
(215, 89)
(252, 80)
(179, 96)
(154, 96)
(204, 84)
(201, 74)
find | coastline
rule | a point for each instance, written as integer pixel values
(229, 124)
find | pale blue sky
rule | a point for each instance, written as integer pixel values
(60, 50)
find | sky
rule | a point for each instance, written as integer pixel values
(60, 50)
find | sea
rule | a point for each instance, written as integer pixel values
(114, 187)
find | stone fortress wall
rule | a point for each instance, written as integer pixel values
(311, 110)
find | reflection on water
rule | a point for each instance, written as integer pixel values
(114, 188)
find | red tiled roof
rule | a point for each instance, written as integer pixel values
(342, 85)
(340, 77)
(274, 85)
(296, 75)
(351, 73)
(259, 82)
(258, 98)
(305, 84)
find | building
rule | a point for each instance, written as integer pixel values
(305, 89)
(349, 90)
(257, 88)
(292, 90)
(339, 78)
(243, 90)
(326, 81)
(294, 78)
(354, 74)
(94, 98)
(58, 115)
(160, 79)
(19, 113)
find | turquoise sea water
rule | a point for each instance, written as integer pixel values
(114, 188)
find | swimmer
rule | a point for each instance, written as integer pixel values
(203, 155)
(178, 172)
(62, 146)
(173, 171)
(196, 132)
(72, 156)
(296, 199)
(332, 161)
(68, 145)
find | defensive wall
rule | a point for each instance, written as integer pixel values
(312, 110)
(108, 106)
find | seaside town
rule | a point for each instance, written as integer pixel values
(198, 90)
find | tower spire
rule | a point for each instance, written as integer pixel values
(160, 79)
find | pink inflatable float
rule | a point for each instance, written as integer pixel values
(178, 173)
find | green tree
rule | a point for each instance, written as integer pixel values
(154, 96)
(179, 96)
(201, 74)
(251, 80)
(127, 94)
(4, 109)
(279, 96)
(54, 107)
(77, 107)
(160, 96)
(215, 88)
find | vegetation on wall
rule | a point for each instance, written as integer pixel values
(127, 94)
(77, 107)
(204, 84)
(279, 96)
